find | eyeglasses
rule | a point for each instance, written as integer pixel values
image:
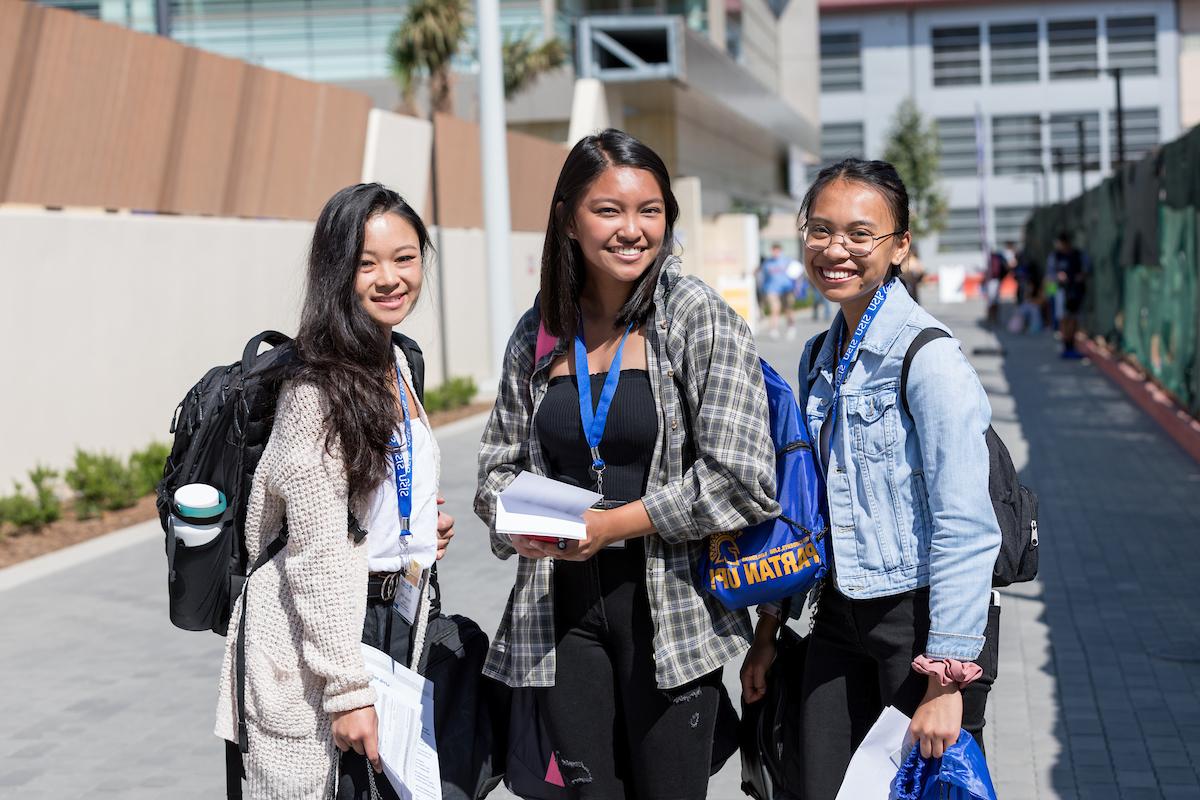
(857, 243)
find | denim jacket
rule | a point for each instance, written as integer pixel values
(908, 495)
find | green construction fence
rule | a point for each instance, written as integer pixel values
(1140, 230)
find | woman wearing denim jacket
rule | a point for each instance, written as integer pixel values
(622, 645)
(901, 616)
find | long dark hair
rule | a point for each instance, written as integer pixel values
(341, 348)
(879, 175)
(563, 267)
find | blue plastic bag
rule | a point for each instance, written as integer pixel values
(960, 774)
(785, 556)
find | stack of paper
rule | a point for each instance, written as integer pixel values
(406, 742)
(534, 505)
(877, 759)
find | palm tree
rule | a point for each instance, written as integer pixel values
(524, 60)
(424, 45)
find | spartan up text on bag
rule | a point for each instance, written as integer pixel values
(783, 556)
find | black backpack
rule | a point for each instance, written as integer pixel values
(1016, 505)
(221, 427)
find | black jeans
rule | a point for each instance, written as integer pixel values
(859, 661)
(615, 734)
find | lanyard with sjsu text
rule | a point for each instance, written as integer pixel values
(402, 462)
(845, 360)
(593, 423)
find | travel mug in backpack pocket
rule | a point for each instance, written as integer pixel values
(198, 554)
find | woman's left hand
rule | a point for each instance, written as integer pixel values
(938, 719)
(599, 536)
(445, 530)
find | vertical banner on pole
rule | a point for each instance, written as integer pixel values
(981, 172)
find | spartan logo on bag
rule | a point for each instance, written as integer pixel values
(731, 570)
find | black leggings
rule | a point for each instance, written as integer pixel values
(616, 735)
(859, 661)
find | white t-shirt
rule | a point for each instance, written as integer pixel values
(385, 551)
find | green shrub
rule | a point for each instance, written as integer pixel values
(146, 466)
(454, 393)
(102, 482)
(34, 512)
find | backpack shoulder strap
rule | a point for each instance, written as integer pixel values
(416, 362)
(926, 336)
(817, 344)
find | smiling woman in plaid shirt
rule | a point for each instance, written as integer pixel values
(624, 647)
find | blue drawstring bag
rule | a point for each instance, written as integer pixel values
(785, 556)
(960, 774)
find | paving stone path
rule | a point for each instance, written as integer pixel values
(1099, 688)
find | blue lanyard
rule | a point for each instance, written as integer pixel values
(402, 465)
(593, 424)
(846, 360)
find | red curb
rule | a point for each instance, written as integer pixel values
(1158, 405)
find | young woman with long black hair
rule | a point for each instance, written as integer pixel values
(349, 430)
(624, 646)
(900, 620)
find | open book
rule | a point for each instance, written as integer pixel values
(534, 505)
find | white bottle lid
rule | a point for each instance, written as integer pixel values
(199, 500)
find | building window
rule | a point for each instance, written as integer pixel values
(956, 146)
(1132, 45)
(1017, 144)
(1064, 135)
(1141, 133)
(1010, 223)
(838, 140)
(961, 232)
(1073, 52)
(841, 62)
(1014, 52)
(956, 56)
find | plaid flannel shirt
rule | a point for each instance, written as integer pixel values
(713, 470)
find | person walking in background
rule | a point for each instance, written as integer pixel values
(997, 268)
(353, 408)
(778, 289)
(624, 648)
(902, 614)
(1067, 264)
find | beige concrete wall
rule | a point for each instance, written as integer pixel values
(800, 58)
(1189, 63)
(108, 319)
(397, 155)
(760, 42)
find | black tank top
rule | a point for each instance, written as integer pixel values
(629, 434)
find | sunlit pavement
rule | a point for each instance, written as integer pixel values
(1099, 678)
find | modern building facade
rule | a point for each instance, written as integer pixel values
(725, 90)
(1008, 83)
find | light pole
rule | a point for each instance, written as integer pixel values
(162, 18)
(497, 219)
(1081, 143)
(1059, 166)
(1116, 74)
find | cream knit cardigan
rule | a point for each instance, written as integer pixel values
(304, 620)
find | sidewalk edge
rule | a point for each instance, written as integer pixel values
(26, 571)
(1173, 421)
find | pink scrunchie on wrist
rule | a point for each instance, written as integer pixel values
(948, 670)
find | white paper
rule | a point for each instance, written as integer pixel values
(534, 505)
(877, 759)
(406, 741)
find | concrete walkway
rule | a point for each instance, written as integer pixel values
(1099, 687)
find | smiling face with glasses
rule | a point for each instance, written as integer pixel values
(851, 244)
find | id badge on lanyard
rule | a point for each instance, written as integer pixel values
(594, 421)
(410, 582)
(846, 360)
